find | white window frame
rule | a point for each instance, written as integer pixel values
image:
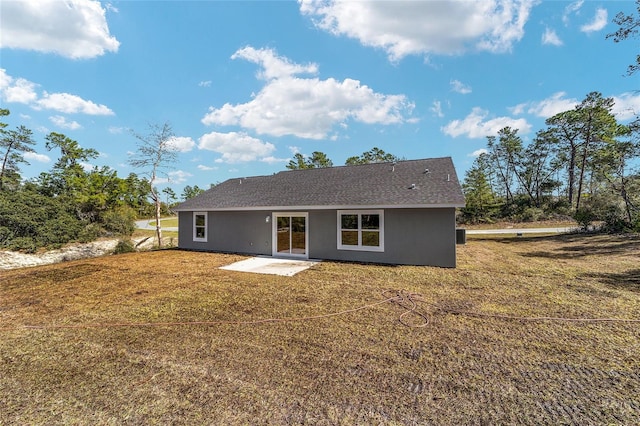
(360, 247)
(206, 229)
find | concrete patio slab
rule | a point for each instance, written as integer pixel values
(271, 265)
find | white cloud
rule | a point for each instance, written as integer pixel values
(548, 107)
(62, 122)
(17, 90)
(177, 176)
(273, 66)
(5, 79)
(436, 109)
(114, 130)
(23, 91)
(518, 109)
(423, 27)
(551, 37)
(459, 87)
(205, 83)
(476, 126)
(205, 168)
(40, 158)
(235, 147)
(598, 23)
(570, 9)
(627, 106)
(274, 160)
(305, 107)
(74, 29)
(478, 152)
(294, 149)
(181, 144)
(70, 104)
(111, 8)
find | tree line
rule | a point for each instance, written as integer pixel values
(69, 202)
(583, 164)
(319, 159)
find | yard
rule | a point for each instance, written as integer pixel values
(166, 337)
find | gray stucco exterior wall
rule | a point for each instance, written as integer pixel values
(411, 236)
(233, 232)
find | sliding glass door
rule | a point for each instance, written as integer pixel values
(290, 234)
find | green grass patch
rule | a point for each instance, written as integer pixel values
(171, 222)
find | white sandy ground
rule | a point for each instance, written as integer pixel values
(13, 260)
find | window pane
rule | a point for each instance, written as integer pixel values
(199, 220)
(349, 238)
(370, 221)
(200, 232)
(371, 238)
(349, 221)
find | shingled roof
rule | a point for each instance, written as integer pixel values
(414, 184)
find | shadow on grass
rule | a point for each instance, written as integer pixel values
(572, 246)
(62, 275)
(628, 280)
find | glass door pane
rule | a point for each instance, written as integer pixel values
(298, 235)
(283, 234)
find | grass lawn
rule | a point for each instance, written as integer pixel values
(507, 225)
(166, 222)
(468, 365)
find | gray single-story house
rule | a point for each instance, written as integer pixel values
(398, 213)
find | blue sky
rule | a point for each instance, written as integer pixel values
(246, 85)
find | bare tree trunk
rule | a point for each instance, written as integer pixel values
(156, 200)
(572, 169)
(4, 165)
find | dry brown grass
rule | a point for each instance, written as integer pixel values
(358, 368)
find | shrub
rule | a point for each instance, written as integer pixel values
(90, 232)
(58, 231)
(30, 220)
(532, 214)
(124, 246)
(24, 244)
(584, 216)
(120, 221)
(615, 223)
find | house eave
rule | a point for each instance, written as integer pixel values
(315, 207)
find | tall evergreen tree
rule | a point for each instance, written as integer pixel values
(316, 160)
(480, 199)
(375, 155)
(505, 152)
(579, 133)
(13, 145)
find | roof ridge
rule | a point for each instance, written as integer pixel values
(365, 164)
